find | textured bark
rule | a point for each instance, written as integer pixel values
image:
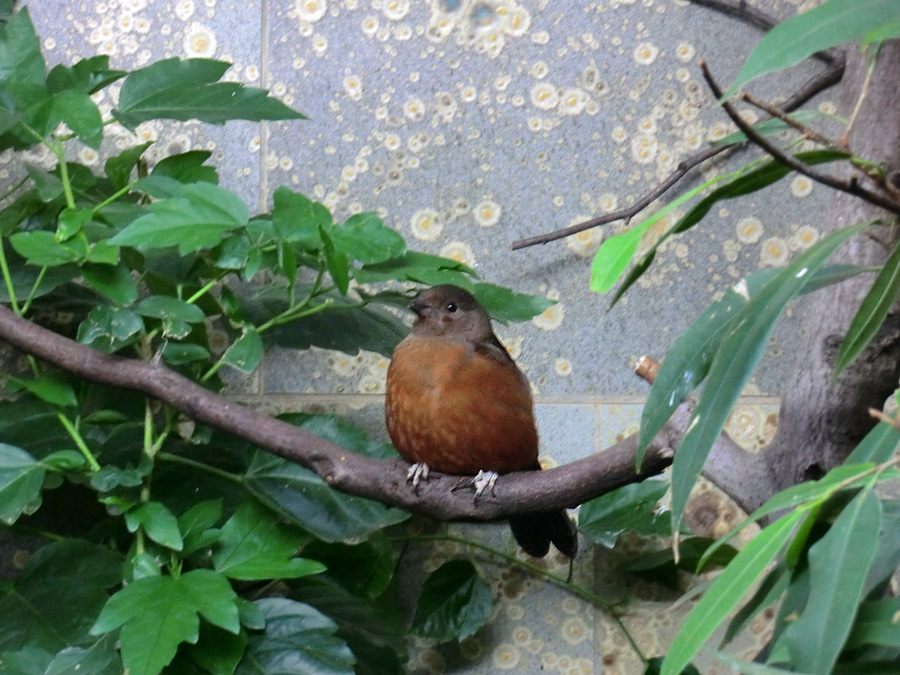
(821, 420)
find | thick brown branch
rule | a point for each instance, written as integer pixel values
(815, 85)
(850, 186)
(382, 480)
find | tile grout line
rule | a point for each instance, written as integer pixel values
(263, 151)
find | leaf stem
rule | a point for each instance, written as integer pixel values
(79, 441)
(109, 200)
(203, 291)
(34, 289)
(293, 315)
(57, 148)
(221, 473)
(7, 279)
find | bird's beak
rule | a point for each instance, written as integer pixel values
(418, 306)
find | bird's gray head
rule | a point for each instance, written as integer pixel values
(449, 311)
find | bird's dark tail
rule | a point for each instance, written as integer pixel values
(535, 532)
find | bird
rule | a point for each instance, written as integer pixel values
(457, 403)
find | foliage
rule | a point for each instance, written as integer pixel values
(186, 530)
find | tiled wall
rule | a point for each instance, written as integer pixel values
(469, 124)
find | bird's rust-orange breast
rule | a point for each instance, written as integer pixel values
(458, 411)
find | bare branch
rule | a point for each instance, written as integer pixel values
(850, 187)
(815, 85)
(804, 129)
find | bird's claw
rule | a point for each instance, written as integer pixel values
(483, 481)
(417, 473)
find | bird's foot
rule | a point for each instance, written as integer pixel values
(417, 473)
(483, 481)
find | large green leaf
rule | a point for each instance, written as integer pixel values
(365, 238)
(455, 603)
(114, 281)
(157, 613)
(871, 313)
(253, 545)
(187, 167)
(195, 219)
(58, 595)
(727, 591)
(158, 522)
(298, 640)
(688, 360)
(831, 23)
(90, 75)
(365, 569)
(296, 218)
(839, 565)
(217, 651)
(374, 634)
(631, 508)
(100, 658)
(414, 266)
(746, 182)
(41, 248)
(190, 90)
(21, 61)
(766, 594)
(307, 500)
(735, 361)
(21, 478)
(80, 113)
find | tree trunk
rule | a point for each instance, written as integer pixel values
(821, 420)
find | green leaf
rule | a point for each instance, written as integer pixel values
(178, 353)
(109, 329)
(64, 460)
(53, 388)
(118, 168)
(254, 545)
(47, 186)
(374, 631)
(688, 360)
(748, 667)
(101, 658)
(187, 167)
(218, 651)
(505, 305)
(365, 569)
(58, 595)
(887, 559)
(158, 522)
(877, 446)
(727, 591)
(419, 267)
(296, 218)
(250, 615)
(660, 566)
(233, 253)
(245, 353)
(76, 108)
(90, 75)
(767, 594)
(71, 221)
(190, 89)
(614, 255)
(735, 361)
(298, 640)
(21, 61)
(307, 500)
(110, 477)
(365, 238)
(159, 613)
(338, 265)
(114, 281)
(196, 522)
(196, 219)
(745, 182)
(21, 478)
(830, 24)
(630, 508)
(876, 624)
(839, 564)
(41, 248)
(455, 603)
(166, 307)
(103, 254)
(885, 32)
(871, 313)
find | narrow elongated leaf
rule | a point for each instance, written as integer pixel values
(828, 25)
(886, 32)
(687, 362)
(21, 478)
(736, 360)
(455, 602)
(766, 594)
(190, 89)
(195, 219)
(877, 446)
(871, 313)
(53, 388)
(614, 255)
(876, 624)
(632, 508)
(298, 640)
(727, 591)
(839, 564)
(338, 264)
(745, 182)
(750, 668)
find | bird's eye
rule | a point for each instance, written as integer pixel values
(451, 307)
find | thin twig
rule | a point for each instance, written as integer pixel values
(774, 111)
(850, 187)
(815, 85)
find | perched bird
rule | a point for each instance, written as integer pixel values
(457, 403)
